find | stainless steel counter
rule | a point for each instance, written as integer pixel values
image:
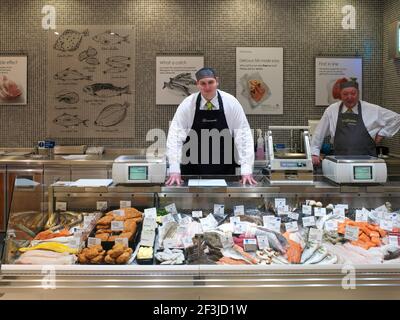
(107, 159)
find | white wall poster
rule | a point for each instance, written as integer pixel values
(175, 78)
(259, 80)
(13, 80)
(91, 82)
(330, 72)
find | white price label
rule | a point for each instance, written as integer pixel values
(394, 241)
(120, 213)
(209, 223)
(78, 234)
(93, 241)
(151, 213)
(150, 223)
(390, 216)
(351, 233)
(331, 225)
(219, 209)
(197, 214)
(382, 208)
(87, 220)
(283, 211)
(147, 238)
(340, 213)
(240, 228)
(306, 209)
(292, 226)
(309, 221)
(280, 202)
(74, 243)
(168, 218)
(101, 205)
(361, 216)
(227, 240)
(386, 225)
(123, 241)
(171, 208)
(344, 206)
(250, 244)
(262, 242)
(272, 223)
(125, 204)
(186, 220)
(238, 210)
(61, 206)
(293, 215)
(187, 242)
(234, 220)
(315, 235)
(320, 212)
(117, 225)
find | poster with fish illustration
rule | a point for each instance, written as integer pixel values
(91, 82)
(259, 80)
(175, 78)
(330, 72)
(13, 80)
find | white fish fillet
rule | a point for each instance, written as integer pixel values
(44, 254)
(41, 260)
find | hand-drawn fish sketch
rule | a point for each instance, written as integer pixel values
(66, 96)
(112, 115)
(71, 74)
(106, 90)
(109, 38)
(70, 40)
(69, 120)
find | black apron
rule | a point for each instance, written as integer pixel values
(351, 136)
(210, 119)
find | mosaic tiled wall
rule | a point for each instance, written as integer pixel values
(304, 28)
(391, 70)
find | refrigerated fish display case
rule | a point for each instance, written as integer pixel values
(254, 242)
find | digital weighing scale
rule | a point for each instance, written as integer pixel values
(354, 169)
(133, 169)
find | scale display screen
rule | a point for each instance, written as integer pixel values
(362, 172)
(138, 172)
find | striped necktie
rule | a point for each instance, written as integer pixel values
(349, 110)
(209, 105)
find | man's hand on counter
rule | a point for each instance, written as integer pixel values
(316, 160)
(248, 178)
(174, 178)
